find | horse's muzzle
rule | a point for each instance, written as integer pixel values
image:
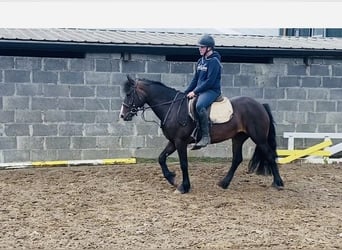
(127, 117)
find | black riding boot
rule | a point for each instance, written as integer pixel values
(204, 126)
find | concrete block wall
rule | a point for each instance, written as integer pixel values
(68, 108)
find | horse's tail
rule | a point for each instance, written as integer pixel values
(258, 163)
(271, 139)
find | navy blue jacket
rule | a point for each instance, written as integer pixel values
(207, 76)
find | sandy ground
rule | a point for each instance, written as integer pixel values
(133, 207)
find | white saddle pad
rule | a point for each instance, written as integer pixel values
(219, 112)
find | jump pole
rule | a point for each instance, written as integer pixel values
(301, 153)
(37, 164)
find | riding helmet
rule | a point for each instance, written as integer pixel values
(207, 40)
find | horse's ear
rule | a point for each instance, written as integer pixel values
(130, 79)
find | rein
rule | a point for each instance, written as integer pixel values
(168, 111)
(134, 110)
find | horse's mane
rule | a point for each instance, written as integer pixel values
(151, 82)
(128, 85)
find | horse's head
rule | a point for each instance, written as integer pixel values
(133, 100)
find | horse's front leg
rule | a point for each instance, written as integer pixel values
(184, 187)
(169, 149)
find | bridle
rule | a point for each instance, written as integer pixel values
(133, 109)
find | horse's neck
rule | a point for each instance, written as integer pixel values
(161, 101)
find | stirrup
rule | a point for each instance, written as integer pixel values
(196, 146)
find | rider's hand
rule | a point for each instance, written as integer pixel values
(191, 95)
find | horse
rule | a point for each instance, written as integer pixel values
(250, 119)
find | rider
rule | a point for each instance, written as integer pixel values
(206, 84)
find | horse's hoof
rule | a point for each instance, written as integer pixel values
(177, 191)
(278, 187)
(180, 190)
(172, 179)
(173, 182)
(222, 184)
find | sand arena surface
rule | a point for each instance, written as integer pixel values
(133, 207)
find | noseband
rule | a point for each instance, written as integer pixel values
(133, 110)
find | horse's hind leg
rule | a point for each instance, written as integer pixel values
(270, 157)
(237, 141)
(169, 149)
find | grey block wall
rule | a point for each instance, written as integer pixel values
(68, 109)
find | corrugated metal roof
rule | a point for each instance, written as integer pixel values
(143, 38)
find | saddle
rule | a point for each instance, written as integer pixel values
(220, 111)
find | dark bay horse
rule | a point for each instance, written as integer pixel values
(250, 120)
